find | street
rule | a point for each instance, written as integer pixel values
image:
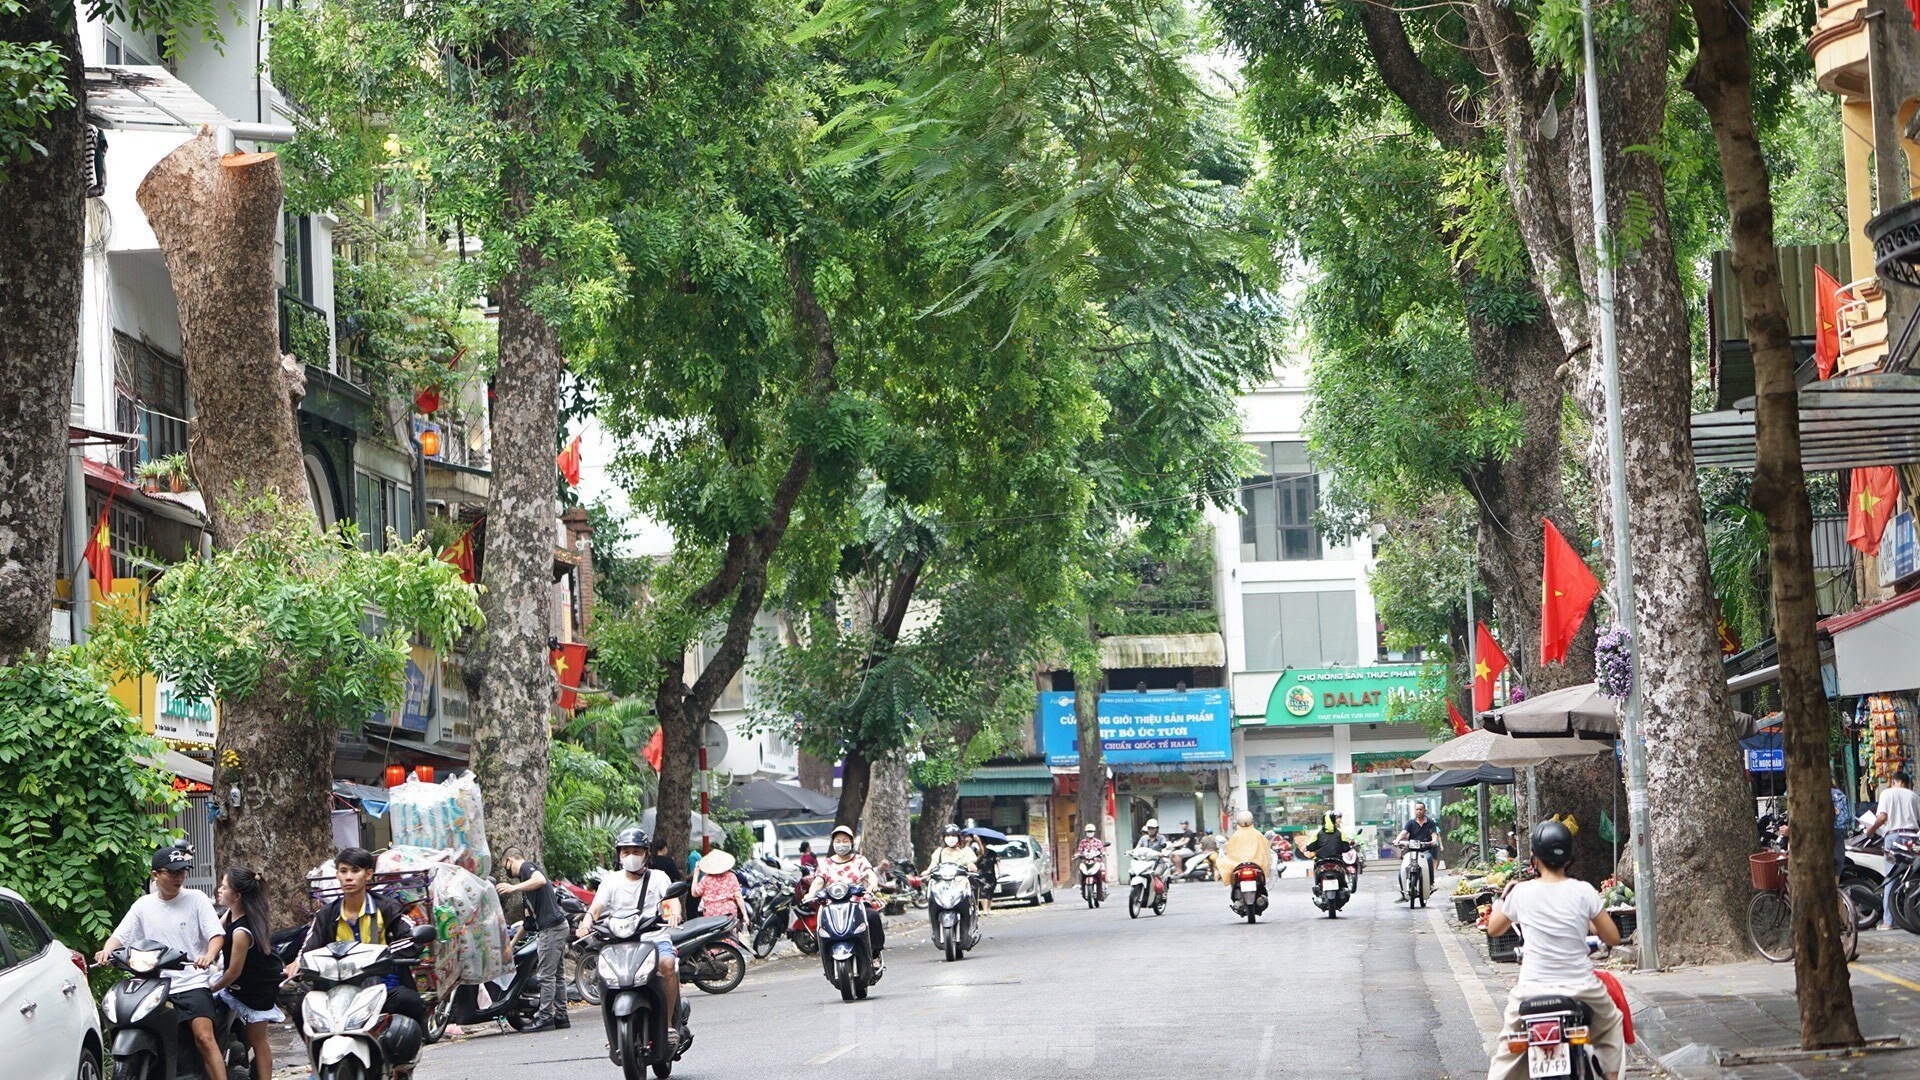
(1063, 991)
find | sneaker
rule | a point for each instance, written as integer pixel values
(538, 1025)
(562, 1022)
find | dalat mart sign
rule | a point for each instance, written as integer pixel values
(1142, 728)
(1342, 695)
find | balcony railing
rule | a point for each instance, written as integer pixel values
(304, 333)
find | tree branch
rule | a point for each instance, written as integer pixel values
(1430, 97)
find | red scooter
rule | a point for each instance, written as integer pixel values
(803, 920)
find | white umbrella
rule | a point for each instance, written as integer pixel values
(1571, 711)
(702, 827)
(1477, 748)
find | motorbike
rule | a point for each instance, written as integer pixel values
(804, 925)
(711, 956)
(513, 999)
(1555, 1033)
(1201, 867)
(1862, 876)
(950, 908)
(1283, 849)
(144, 1030)
(1414, 859)
(1247, 891)
(1147, 882)
(776, 914)
(1333, 883)
(350, 1034)
(1093, 872)
(633, 995)
(846, 954)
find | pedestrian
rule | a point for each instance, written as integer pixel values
(1898, 819)
(549, 923)
(809, 862)
(249, 980)
(663, 861)
(716, 886)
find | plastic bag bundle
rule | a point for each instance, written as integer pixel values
(442, 817)
(472, 945)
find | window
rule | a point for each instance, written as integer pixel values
(126, 535)
(1300, 629)
(118, 53)
(150, 391)
(298, 246)
(381, 505)
(24, 937)
(1277, 506)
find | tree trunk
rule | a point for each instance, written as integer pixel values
(1089, 681)
(42, 202)
(938, 803)
(1722, 79)
(679, 759)
(512, 703)
(884, 825)
(215, 220)
(856, 773)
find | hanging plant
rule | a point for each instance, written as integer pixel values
(1613, 663)
(1517, 695)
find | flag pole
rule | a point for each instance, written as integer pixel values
(1641, 839)
(1481, 801)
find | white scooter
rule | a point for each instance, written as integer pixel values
(1148, 874)
(1416, 871)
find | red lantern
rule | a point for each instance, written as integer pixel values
(430, 443)
(424, 774)
(428, 400)
(396, 775)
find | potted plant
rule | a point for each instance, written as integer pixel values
(179, 478)
(151, 474)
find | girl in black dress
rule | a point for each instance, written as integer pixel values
(250, 978)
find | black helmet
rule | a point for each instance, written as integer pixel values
(950, 830)
(1552, 843)
(631, 837)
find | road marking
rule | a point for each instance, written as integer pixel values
(930, 1010)
(1266, 1053)
(831, 1054)
(1479, 1003)
(1894, 979)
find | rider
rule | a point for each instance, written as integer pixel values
(951, 850)
(636, 888)
(1425, 830)
(183, 919)
(1332, 843)
(847, 866)
(1092, 846)
(1246, 845)
(360, 916)
(1557, 913)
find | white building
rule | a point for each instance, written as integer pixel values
(1307, 665)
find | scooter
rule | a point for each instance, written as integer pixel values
(846, 953)
(1414, 875)
(1332, 884)
(711, 956)
(1554, 1033)
(633, 996)
(1093, 874)
(950, 908)
(804, 925)
(1283, 849)
(1147, 882)
(1247, 891)
(350, 1033)
(1201, 867)
(513, 999)
(144, 1030)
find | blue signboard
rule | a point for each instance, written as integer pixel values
(1143, 728)
(1767, 760)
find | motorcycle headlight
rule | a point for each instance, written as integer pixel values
(147, 1004)
(843, 952)
(344, 1009)
(629, 966)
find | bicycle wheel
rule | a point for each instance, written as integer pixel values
(1770, 926)
(1849, 926)
(1906, 905)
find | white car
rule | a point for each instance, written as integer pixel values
(1023, 871)
(49, 1026)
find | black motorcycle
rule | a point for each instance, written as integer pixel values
(846, 954)
(513, 999)
(144, 1032)
(1332, 884)
(710, 954)
(1247, 891)
(633, 995)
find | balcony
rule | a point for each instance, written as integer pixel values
(304, 332)
(1863, 326)
(1839, 49)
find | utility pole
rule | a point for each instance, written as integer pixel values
(1642, 839)
(1481, 801)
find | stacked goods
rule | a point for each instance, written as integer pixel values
(1887, 720)
(443, 817)
(472, 946)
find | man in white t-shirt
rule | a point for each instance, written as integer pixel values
(634, 888)
(1899, 821)
(183, 919)
(1555, 914)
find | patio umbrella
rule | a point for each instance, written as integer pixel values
(985, 833)
(1570, 712)
(1459, 778)
(770, 799)
(1477, 748)
(704, 828)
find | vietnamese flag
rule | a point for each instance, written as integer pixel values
(656, 750)
(1826, 317)
(99, 551)
(569, 462)
(1459, 722)
(1567, 589)
(460, 554)
(569, 661)
(1488, 663)
(1873, 494)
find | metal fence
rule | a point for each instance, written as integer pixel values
(191, 819)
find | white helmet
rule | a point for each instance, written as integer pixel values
(1153, 823)
(1088, 830)
(1243, 819)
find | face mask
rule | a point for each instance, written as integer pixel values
(842, 848)
(633, 864)
(953, 841)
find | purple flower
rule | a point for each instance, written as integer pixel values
(1613, 663)
(1516, 695)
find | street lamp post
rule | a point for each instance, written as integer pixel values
(1642, 841)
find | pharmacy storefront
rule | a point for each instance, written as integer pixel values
(1326, 741)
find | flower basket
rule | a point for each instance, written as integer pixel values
(1504, 949)
(1769, 870)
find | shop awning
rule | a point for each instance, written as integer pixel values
(175, 763)
(1849, 422)
(990, 780)
(187, 508)
(1876, 650)
(1163, 651)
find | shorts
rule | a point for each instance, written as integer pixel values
(249, 1015)
(663, 945)
(194, 1004)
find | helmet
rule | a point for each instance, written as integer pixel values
(838, 830)
(1552, 843)
(950, 830)
(1088, 830)
(175, 856)
(1153, 823)
(632, 837)
(1243, 819)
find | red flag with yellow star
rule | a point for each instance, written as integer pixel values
(1567, 589)
(1826, 317)
(569, 661)
(1488, 663)
(99, 551)
(1873, 495)
(460, 554)
(569, 462)
(1459, 722)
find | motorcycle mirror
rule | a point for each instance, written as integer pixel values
(676, 890)
(423, 935)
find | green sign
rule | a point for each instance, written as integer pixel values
(1341, 695)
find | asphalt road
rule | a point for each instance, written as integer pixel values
(1063, 991)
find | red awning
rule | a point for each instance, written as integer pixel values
(1851, 619)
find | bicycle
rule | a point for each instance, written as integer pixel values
(1770, 912)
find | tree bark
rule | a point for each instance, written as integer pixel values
(938, 803)
(43, 202)
(856, 778)
(513, 691)
(887, 608)
(884, 826)
(1722, 78)
(1089, 682)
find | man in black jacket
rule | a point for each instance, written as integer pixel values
(359, 916)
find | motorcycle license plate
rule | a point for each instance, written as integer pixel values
(1330, 883)
(1249, 886)
(1552, 1060)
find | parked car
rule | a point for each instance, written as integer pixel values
(48, 1021)
(1023, 870)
